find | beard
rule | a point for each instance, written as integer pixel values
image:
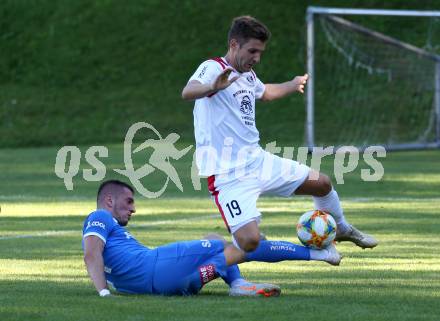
(122, 223)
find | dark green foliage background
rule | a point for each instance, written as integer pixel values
(81, 72)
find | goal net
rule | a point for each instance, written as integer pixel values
(367, 88)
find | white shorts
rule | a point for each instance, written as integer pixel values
(236, 193)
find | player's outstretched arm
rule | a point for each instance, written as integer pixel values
(93, 248)
(195, 89)
(275, 91)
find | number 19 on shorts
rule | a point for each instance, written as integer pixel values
(234, 208)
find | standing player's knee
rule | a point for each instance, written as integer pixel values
(249, 243)
(248, 236)
(325, 185)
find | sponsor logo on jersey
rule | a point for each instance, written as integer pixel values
(95, 223)
(207, 273)
(246, 105)
(202, 72)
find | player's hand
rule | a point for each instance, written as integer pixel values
(299, 82)
(223, 81)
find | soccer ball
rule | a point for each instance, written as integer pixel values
(316, 229)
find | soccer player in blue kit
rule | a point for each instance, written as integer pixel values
(113, 256)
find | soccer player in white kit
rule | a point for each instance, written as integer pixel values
(227, 141)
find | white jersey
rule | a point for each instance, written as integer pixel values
(224, 123)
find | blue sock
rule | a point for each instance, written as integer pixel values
(276, 251)
(233, 273)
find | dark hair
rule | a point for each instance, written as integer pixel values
(111, 186)
(246, 27)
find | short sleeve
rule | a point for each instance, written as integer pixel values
(259, 88)
(99, 223)
(207, 72)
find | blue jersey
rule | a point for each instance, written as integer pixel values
(129, 265)
(180, 268)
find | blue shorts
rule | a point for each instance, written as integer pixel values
(183, 268)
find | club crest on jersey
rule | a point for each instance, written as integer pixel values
(246, 105)
(207, 273)
(250, 79)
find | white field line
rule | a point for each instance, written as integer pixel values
(163, 222)
(390, 199)
(30, 198)
(73, 232)
(39, 234)
(182, 220)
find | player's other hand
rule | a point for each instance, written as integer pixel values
(223, 81)
(299, 82)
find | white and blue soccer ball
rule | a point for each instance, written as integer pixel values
(316, 229)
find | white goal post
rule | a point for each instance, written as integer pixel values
(379, 65)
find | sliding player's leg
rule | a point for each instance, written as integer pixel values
(277, 251)
(183, 268)
(238, 285)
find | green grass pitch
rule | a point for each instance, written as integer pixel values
(42, 274)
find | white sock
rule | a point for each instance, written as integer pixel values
(238, 282)
(318, 255)
(330, 203)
